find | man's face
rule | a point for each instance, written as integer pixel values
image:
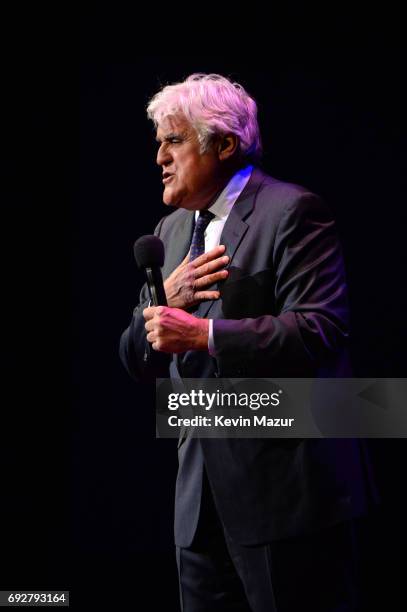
(191, 179)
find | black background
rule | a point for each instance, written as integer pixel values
(87, 491)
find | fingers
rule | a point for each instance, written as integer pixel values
(208, 274)
(211, 266)
(150, 312)
(210, 279)
(185, 286)
(201, 296)
(151, 337)
(209, 256)
(150, 325)
(151, 316)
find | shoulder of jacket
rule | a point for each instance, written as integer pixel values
(281, 195)
(171, 219)
(283, 189)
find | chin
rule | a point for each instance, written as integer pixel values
(168, 198)
(169, 202)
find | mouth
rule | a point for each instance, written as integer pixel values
(167, 177)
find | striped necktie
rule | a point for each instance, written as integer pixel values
(198, 238)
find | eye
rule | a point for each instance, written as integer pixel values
(171, 139)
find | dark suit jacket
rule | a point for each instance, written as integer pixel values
(282, 313)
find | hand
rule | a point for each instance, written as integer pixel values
(172, 330)
(185, 286)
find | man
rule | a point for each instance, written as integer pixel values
(255, 289)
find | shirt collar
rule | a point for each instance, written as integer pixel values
(225, 200)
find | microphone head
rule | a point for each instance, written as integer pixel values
(149, 252)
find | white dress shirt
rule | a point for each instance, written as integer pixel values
(221, 209)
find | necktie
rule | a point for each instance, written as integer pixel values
(198, 238)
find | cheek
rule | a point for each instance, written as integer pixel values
(183, 179)
(195, 174)
(180, 182)
(175, 190)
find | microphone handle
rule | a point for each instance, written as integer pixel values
(156, 286)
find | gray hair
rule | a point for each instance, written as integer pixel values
(213, 105)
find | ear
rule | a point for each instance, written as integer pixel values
(227, 146)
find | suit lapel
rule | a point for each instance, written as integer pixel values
(176, 249)
(235, 228)
(180, 241)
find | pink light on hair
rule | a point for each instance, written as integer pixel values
(213, 105)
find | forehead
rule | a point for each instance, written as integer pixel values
(174, 124)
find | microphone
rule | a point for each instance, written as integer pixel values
(149, 255)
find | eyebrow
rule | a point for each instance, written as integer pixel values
(169, 136)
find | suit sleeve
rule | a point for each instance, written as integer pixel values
(311, 310)
(139, 359)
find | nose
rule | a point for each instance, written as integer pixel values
(163, 155)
